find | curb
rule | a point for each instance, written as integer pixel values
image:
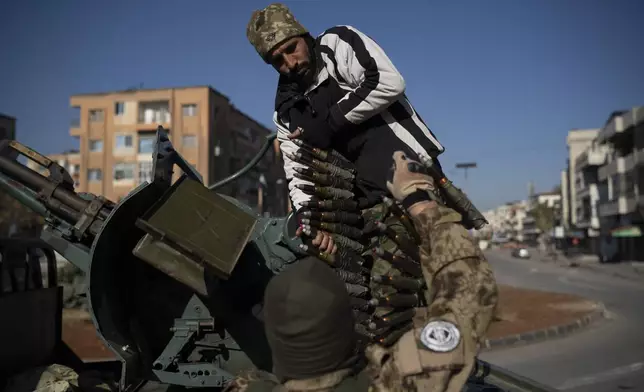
(549, 333)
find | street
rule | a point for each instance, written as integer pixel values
(607, 356)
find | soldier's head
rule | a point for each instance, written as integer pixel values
(283, 42)
(309, 321)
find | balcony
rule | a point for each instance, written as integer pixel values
(610, 208)
(622, 206)
(157, 113)
(75, 128)
(607, 171)
(593, 156)
(610, 130)
(633, 117)
(582, 193)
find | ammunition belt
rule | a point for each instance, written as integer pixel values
(378, 253)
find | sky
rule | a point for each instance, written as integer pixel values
(500, 82)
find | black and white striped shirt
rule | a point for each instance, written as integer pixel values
(372, 87)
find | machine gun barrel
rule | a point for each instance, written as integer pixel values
(24, 195)
(50, 196)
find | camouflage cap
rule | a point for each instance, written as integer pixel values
(270, 26)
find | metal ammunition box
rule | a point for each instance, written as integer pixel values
(192, 229)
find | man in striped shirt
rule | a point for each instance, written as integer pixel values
(339, 91)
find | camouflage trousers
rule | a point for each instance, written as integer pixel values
(59, 378)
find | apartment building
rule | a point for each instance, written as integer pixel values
(578, 141)
(586, 187)
(508, 221)
(116, 132)
(621, 178)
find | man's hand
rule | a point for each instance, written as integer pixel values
(407, 176)
(314, 132)
(322, 241)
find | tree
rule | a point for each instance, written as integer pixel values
(544, 217)
(12, 212)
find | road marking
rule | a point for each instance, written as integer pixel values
(601, 377)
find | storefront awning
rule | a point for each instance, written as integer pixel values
(626, 231)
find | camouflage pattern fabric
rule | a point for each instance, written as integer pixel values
(58, 378)
(339, 381)
(252, 380)
(270, 26)
(463, 294)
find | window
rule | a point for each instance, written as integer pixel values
(123, 142)
(189, 110)
(119, 108)
(95, 145)
(124, 171)
(96, 115)
(189, 141)
(145, 172)
(146, 143)
(94, 175)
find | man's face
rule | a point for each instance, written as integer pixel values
(291, 58)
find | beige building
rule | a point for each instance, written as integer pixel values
(69, 160)
(116, 132)
(578, 141)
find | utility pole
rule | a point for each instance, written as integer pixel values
(465, 166)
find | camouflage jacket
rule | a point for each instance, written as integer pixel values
(463, 294)
(338, 381)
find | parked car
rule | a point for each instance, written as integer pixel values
(521, 253)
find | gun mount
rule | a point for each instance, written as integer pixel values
(176, 272)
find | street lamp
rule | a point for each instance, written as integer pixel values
(465, 166)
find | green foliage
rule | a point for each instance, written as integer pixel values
(544, 217)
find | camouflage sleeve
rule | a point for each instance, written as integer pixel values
(251, 381)
(461, 280)
(439, 353)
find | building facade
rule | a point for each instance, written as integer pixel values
(578, 141)
(116, 132)
(603, 187)
(621, 185)
(7, 127)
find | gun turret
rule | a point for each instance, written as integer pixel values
(176, 272)
(163, 265)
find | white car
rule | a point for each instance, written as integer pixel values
(521, 253)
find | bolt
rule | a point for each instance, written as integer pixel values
(197, 308)
(273, 222)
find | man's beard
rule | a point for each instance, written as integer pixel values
(305, 74)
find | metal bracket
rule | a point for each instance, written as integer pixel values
(57, 174)
(165, 157)
(88, 216)
(172, 366)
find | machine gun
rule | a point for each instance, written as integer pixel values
(175, 271)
